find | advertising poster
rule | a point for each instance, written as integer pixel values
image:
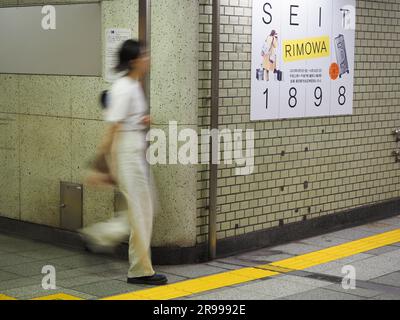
(302, 58)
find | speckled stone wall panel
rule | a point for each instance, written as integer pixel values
(45, 152)
(4, 3)
(60, 122)
(175, 222)
(121, 14)
(9, 166)
(85, 97)
(9, 97)
(45, 95)
(174, 81)
(174, 69)
(85, 137)
(68, 1)
(59, 140)
(97, 202)
(98, 205)
(30, 2)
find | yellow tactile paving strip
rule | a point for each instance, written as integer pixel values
(234, 277)
(189, 287)
(217, 281)
(339, 252)
(4, 297)
(59, 296)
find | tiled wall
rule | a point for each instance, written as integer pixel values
(349, 161)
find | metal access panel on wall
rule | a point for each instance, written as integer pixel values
(71, 206)
(51, 40)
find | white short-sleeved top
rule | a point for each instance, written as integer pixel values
(127, 104)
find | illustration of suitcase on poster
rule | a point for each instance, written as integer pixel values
(260, 74)
(278, 75)
(341, 55)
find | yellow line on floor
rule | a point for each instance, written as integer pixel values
(339, 252)
(189, 287)
(221, 280)
(58, 296)
(4, 297)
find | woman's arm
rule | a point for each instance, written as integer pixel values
(105, 145)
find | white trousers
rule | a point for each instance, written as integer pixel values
(132, 171)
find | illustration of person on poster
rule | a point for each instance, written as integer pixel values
(269, 54)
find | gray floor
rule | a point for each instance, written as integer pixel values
(92, 277)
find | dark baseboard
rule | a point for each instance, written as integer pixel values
(225, 247)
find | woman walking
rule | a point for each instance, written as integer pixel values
(125, 141)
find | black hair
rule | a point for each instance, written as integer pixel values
(130, 50)
(104, 99)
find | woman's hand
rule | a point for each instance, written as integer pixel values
(98, 179)
(146, 120)
(108, 138)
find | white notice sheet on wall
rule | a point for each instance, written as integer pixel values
(114, 40)
(302, 58)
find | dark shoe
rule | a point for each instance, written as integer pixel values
(88, 248)
(156, 280)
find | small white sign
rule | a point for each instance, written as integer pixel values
(114, 40)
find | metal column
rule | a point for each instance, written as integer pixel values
(212, 219)
(144, 36)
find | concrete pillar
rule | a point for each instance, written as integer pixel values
(174, 85)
